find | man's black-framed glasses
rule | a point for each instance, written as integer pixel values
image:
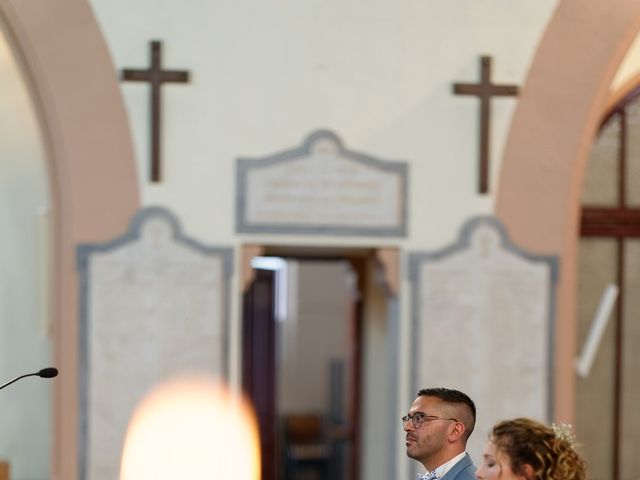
(418, 419)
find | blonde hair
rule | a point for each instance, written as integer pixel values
(551, 455)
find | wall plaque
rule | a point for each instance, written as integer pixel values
(154, 304)
(483, 323)
(321, 188)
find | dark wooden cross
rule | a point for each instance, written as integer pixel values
(156, 77)
(484, 90)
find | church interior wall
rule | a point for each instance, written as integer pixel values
(547, 149)
(283, 71)
(24, 260)
(263, 78)
(319, 327)
(89, 159)
(279, 67)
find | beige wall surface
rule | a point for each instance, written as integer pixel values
(265, 74)
(25, 235)
(92, 175)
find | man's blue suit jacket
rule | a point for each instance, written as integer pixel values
(463, 470)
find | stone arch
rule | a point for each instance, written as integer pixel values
(564, 96)
(90, 161)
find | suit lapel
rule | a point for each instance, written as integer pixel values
(458, 467)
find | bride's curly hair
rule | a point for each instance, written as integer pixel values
(550, 451)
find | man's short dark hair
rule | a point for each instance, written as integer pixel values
(449, 395)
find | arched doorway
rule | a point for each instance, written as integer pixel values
(25, 235)
(609, 252)
(90, 165)
(558, 113)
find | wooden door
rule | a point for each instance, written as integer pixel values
(258, 363)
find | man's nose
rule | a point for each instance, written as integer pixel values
(408, 426)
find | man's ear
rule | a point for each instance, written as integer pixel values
(456, 432)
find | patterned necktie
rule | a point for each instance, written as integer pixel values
(427, 476)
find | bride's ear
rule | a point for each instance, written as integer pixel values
(528, 471)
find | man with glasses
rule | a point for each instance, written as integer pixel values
(437, 428)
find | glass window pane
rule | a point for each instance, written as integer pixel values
(601, 176)
(630, 460)
(595, 401)
(633, 154)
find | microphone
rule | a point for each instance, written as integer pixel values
(48, 372)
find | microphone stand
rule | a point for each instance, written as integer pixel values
(44, 373)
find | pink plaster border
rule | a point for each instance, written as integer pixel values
(91, 163)
(558, 114)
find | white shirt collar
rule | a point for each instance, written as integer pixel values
(444, 468)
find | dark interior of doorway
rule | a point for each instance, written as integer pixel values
(319, 440)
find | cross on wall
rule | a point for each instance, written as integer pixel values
(484, 91)
(155, 76)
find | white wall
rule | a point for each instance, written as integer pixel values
(25, 345)
(379, 73)
(314, 335)
(266, 73)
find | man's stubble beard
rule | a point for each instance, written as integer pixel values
(425, 448)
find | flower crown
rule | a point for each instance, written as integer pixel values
(564, 432)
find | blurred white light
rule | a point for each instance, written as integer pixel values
(192, 428)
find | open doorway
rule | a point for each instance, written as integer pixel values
(302, 361)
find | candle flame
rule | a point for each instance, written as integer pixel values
(192, 428)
